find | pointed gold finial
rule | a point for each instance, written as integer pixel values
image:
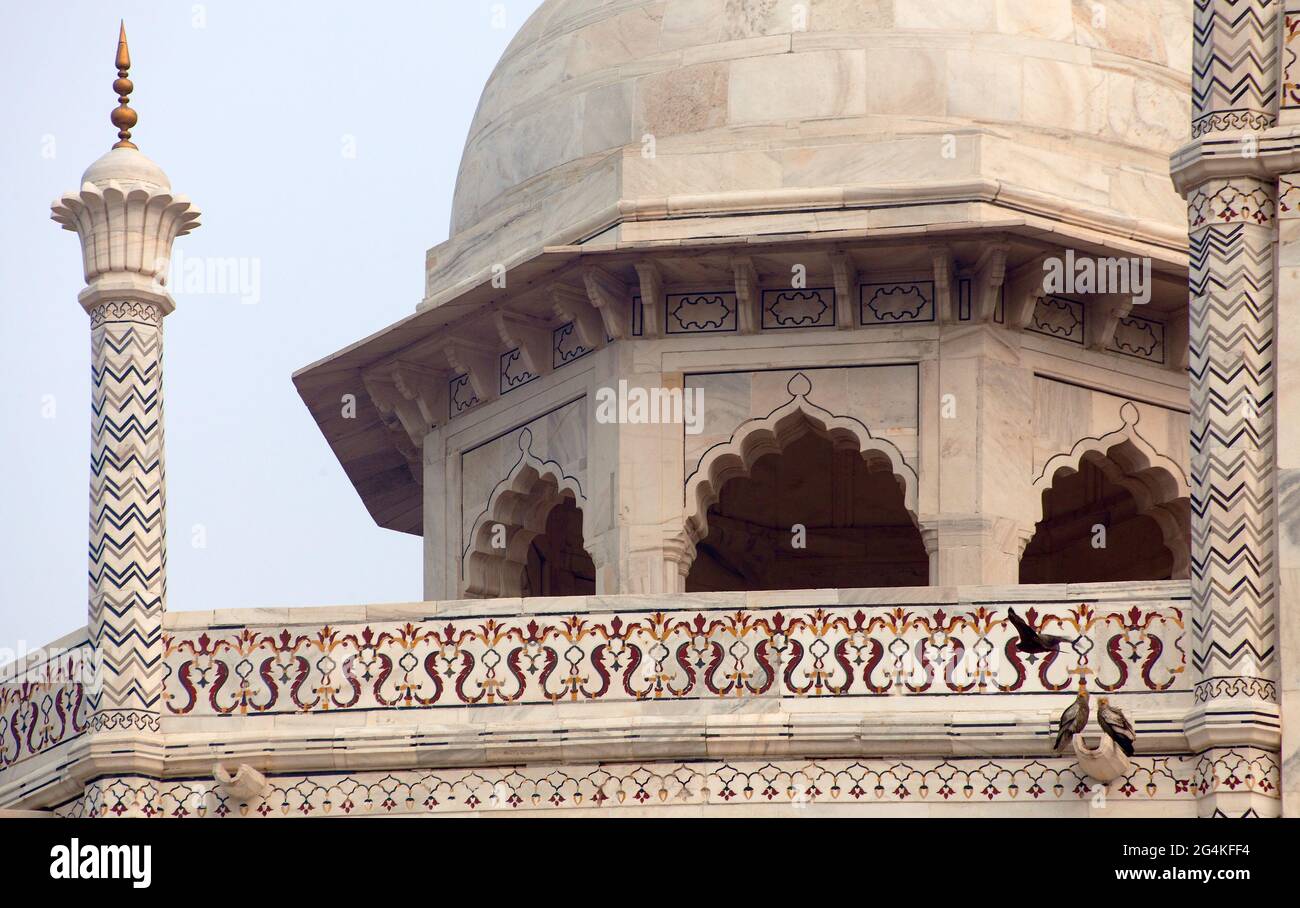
(123, 116)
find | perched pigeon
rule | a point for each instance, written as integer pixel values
(1032, 641)
(1115, 724)
(1074, 719)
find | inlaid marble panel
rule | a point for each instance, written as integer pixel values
(703, 653)
(809, 308)
(701, 313)
(1140, 338)
(566, 345)
(896, 303)
(1058, 317)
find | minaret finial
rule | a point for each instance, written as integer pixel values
(123, 116)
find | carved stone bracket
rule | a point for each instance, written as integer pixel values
(990, 273)
(1024, 291)
(652, 298)
(749, 294)
(946, 304)
(411, 400)
(478, 361)
(531, 336)
(571, 305)
(245, 783)
(846, 285)
(1106, 312)
(612, 299)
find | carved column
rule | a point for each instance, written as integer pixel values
(977, 406)
(126, 219)
(1288, 404)
(1232, 212)
(637, 479)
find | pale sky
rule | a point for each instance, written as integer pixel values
(249, 106)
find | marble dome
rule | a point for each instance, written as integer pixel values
(601, 110)
(129, 169)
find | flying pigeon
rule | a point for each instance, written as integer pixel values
(1032, 641)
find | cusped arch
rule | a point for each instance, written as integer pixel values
(515, 514)
(1157, 482)
(772, 434)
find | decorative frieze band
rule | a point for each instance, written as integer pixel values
(46, 704)
(126, 311)
(473, 377)
(781, 783)
(821, 652)
(1241, 200)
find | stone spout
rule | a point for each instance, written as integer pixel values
(245, 783)
(1105, 763)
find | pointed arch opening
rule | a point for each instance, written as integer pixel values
(529, 540)
(557, 563)
(801, 500)
(1113, 510)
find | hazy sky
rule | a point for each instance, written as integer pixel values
(251, 107)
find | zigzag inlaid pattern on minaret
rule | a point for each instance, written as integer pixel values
(128, 554)
(1234, 65)
(126, 217)
(1233, 424)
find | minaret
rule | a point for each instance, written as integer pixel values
(127, 219)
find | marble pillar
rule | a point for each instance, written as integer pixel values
(127, 219)
(976, 400)
(1232, 224)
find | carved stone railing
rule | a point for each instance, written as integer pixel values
(818, 644)
(43, 701)
(699, 701)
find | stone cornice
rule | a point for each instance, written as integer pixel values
(125, 287)
(1022, 726)
(1220, 156)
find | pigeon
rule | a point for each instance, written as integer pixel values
(1115, 724)
(1074, 719)
(1032, 641)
